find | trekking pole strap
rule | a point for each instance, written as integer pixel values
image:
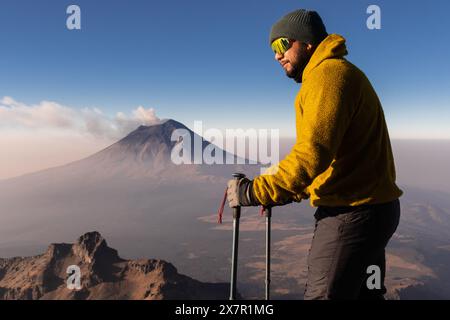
(222, 206)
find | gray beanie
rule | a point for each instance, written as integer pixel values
(303, 25)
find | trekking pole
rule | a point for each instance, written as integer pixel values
(268, 213)
(234, 255)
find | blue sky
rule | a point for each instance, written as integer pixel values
(210, 60)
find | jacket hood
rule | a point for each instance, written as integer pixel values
(331, 47)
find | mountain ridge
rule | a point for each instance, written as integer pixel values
(104, 275)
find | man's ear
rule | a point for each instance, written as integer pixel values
(311, 48)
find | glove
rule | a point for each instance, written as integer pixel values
(240, 193)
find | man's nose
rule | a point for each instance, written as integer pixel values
(278, 56)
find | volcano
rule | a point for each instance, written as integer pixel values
(147, 152)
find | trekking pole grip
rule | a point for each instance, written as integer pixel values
(237, 210)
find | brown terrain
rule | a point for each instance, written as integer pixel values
(104, 275)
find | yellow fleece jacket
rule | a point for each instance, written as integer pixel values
(342, 155)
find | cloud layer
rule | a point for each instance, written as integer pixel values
(48, 115)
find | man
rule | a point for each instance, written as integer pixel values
(342, 161)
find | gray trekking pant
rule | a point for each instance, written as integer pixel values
(346, 241)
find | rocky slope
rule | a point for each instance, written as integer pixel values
(104, 275)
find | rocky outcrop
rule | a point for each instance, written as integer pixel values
(103, 275)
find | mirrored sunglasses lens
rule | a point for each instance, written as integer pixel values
(280, 46)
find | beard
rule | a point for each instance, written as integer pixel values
(298, 67)
(296, 73)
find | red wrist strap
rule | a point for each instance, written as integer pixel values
(222, 206)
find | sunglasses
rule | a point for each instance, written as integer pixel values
(281, 45)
